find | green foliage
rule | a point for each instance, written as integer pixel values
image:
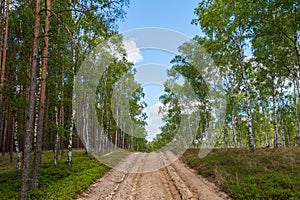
(58, 182)
(265, 174)
(270, 29)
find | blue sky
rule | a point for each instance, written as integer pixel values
(171, 14)
(174, 15)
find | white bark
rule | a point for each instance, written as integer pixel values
(248, 96)
(266, 128)
(296, 99)
(275, 116)
(282, 135)
(56, 138)
(71, 140)
(19, 155)
(249, 112)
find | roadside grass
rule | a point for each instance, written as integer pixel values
(111, 158)
(264, 174)
(58, 182)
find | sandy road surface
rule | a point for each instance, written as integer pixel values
(154, 181)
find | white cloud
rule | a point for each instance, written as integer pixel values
(133, 53)
(155, 121)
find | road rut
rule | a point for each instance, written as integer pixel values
(150, 176)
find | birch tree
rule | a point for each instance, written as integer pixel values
(226, 27)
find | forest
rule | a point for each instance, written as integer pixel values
(254, 46)
(256, 49)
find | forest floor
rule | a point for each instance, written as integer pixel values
(56, 182)
(152, 176)
(264, 174)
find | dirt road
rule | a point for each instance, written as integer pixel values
(166, 182)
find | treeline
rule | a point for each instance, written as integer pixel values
(255, 46)
(43, 44)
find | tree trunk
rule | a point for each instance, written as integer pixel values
(282, 134)
(39, 141)
(56, 144)
(266, 128)
(296, 43)
(73, 112)
(3, 65)
(286, 130)
(70, 142)
(3, 58)
(31, 105)
(248, 96)
(275, 116)
(233, 126)
(19, 157)
(296, 93)
(249, 113)
(11, 135)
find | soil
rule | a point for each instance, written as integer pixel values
(146, 176)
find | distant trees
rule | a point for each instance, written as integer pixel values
(189, 104)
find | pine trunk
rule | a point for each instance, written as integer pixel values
(31, 105)
(3, 57)
(3, 65)
(39, 141)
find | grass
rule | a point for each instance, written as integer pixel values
(264, 174)
(111, 158)
(58, 182)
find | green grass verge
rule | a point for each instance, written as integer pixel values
(58, 182)
(264, 174)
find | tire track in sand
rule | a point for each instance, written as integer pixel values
(146, 177)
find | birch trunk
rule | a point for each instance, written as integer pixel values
(233, 126)
(17, 149)
(296, 99)
(248, 96)
(275, 116)
(70, 141)
(72, 110)
(266, 128)
(56, 145)
(282, 135)
(230, 80)
(249, 113)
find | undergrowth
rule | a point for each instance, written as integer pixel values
(56, 182)
(264, 174)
